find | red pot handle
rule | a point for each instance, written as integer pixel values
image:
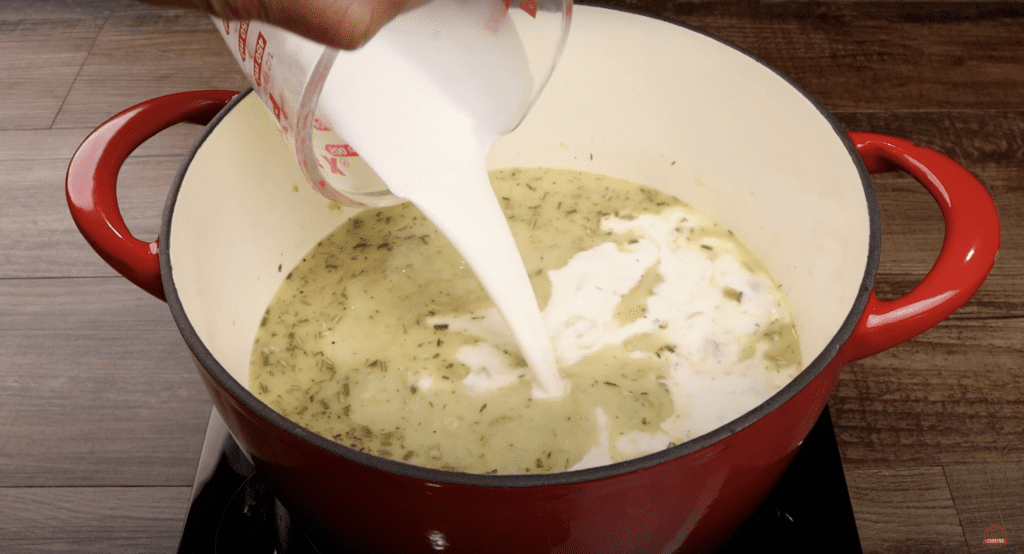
(92, 179)
(968, 248)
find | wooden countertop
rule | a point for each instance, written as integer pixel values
(102, 414)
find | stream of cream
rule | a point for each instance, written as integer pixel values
(432, 94)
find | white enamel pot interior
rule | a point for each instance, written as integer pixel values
(633, 97)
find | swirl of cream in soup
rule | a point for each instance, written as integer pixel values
(664, 324)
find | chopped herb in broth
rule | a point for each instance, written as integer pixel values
(374, 340)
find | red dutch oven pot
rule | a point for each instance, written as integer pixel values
(633, 97)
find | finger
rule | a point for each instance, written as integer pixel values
(340, 23)
(343, 24)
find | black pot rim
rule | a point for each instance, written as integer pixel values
(810, 372)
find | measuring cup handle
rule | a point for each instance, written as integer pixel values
(92, 179)
(965, 260)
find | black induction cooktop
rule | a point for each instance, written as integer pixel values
(232, 511)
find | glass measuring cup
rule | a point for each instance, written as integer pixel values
(494, 56)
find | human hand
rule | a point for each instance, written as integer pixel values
(343, 24)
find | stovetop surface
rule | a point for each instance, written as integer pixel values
(231, 511)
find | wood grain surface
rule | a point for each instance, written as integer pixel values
(102, 414)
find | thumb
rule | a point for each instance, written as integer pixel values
(339, 23)
(343, 24)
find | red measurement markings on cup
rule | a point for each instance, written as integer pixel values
(333, 163)
(321, 125)
(278, 112)
(528, 6)
(257, 59)
(341, 150)
(243, 35)
(338, 151)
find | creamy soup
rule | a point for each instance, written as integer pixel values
(665, 326)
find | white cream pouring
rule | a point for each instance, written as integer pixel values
(432, 95)
(711, 379)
